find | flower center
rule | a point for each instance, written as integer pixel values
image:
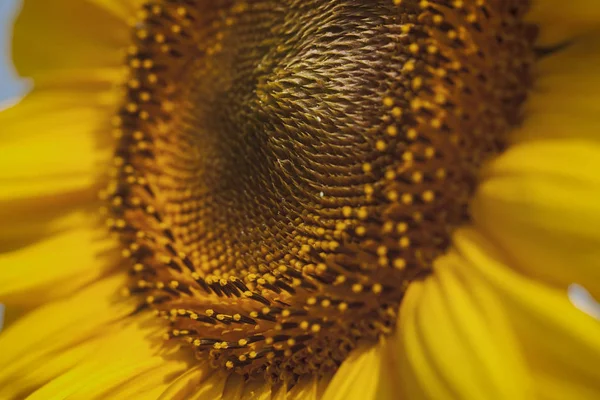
(285, 169)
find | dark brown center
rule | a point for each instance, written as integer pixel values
(285, 168)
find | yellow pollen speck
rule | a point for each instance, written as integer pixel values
(411, 134)
(362, 213)
(377, 288)
(399, 263)
(142, 34)
(404, 242)
(347, 211)
(428, 196)
(401, 227)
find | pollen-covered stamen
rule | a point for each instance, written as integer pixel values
(286, 168)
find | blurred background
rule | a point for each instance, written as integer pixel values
(11, 87)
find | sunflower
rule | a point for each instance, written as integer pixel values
(302, 199)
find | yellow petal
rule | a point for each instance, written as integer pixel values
(367, 374)
(56, 266)
(38, 374)
(234, 387)
(51, 141)
(539, 202)
(46, 165)
(279, 393)
(186, 383)
(55, 337)
(211, 388)
(148, 385)
(51, 153)
(257, 389)
(560, 343)
(129, 353)
(124, 9)
(454, 340)
(307, 388)
(560, 21)
(565, 101)
(31, 220)
(76, 34)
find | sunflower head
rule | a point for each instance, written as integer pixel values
(284, 170)
(335, 199)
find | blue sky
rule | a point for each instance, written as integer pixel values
(10, 87)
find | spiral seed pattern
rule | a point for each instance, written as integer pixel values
(284, 169)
